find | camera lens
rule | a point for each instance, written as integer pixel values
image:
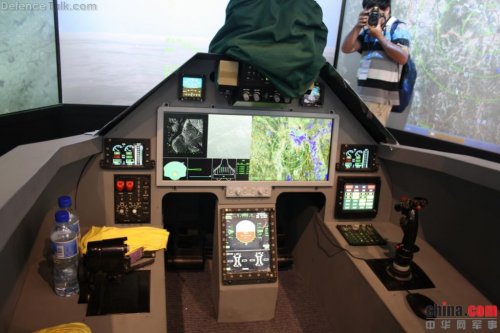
(373, 17)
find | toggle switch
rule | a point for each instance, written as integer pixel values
(129, 185)
(120, 185)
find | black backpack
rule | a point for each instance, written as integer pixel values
(407, 80)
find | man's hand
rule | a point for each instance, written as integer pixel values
(377, 31)
(362, 19)
(351, 43)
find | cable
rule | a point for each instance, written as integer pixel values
(330, 241)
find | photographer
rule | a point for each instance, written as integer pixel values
(382, 56)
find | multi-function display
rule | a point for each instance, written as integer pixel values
(192, 87)
(239, 147)
(357, 197)
(126, 153)
(248, 245)
(357, 158)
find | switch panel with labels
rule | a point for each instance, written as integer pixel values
(132, 198)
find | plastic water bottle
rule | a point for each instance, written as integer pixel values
(74, 221)
(64, 244)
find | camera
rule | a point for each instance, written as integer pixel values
(373, 16)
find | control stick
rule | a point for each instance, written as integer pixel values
(409, 208)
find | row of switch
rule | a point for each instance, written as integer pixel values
(276, 97)
(132, 198)
(121, 185)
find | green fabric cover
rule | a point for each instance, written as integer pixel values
(283, 39)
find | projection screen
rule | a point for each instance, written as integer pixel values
(456, 48)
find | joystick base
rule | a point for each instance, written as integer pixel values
(417, 277)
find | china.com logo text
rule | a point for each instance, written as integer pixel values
(457, 311)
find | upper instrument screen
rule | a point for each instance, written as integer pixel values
(121, 153)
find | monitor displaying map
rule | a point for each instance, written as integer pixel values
(277, 147)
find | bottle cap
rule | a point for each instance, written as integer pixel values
(64, 201)
(62, 216)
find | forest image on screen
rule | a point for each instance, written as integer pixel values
(290, 148)
(247, 247)
(246, 148)
(454, 44)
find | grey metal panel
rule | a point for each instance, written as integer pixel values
(472, 169)
(460, 221)
(27, 170)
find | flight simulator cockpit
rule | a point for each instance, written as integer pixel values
(249, 188)
(256, 190)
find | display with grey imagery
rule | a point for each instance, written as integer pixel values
(185, 136)
(234, 131)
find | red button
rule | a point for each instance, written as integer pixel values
(129, 184)
(120, 185)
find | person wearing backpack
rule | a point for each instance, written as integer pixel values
(383, 51)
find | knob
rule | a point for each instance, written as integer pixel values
(256, 96)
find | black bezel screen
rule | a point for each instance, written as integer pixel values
(357, 197)
(191, 87)
(356, 158)
(248, 245)
(127, 153)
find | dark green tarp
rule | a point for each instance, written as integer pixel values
(284, 39)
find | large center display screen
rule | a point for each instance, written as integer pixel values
(277, 147)
(248, 245)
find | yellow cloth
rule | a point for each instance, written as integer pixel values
(66, 328)
(150, 238)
